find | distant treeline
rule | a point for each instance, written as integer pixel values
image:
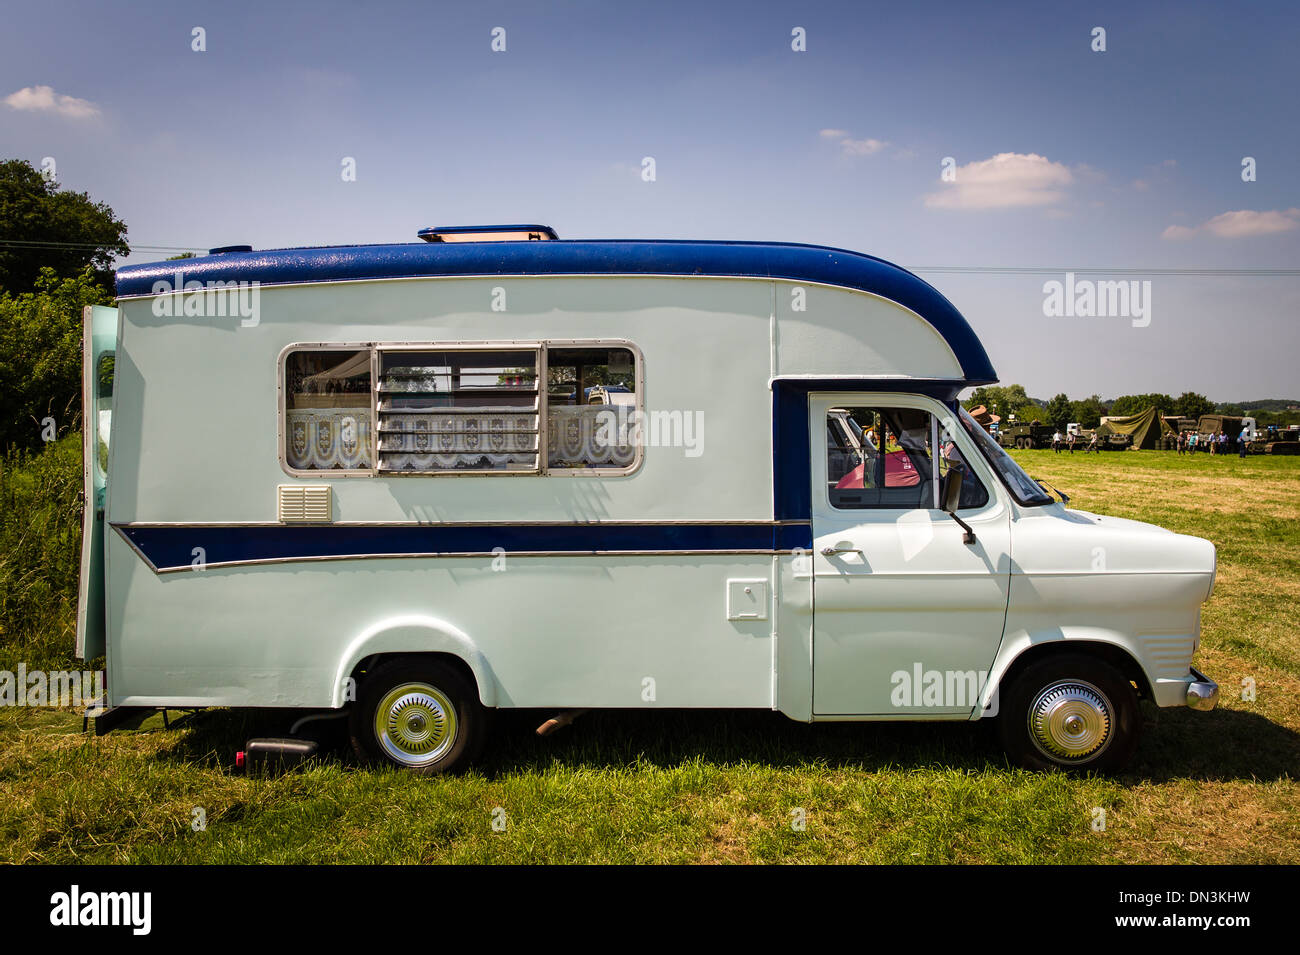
(1061, 410)
(1264, 404)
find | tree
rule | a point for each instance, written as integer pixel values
(43, 226)
(1192, 405)
(40, 356)
(1006, 398)
(1133, 404)
(1005, 402)
(1087, 412)
(1057, 412)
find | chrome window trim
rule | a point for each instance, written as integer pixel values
(540, 345)
(638, 375)
(281, 424)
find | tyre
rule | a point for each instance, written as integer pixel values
(418, 714)
(1070, 712)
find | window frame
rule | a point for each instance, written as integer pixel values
(638, 378)
(975, 463)
(282, 402)
(377, 348)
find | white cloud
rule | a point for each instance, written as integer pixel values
(1241, 224)
(43, 99)
(862, 147)
(853, 147)
(1004, 181)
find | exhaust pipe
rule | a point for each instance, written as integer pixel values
(561, 719)
(266, 754)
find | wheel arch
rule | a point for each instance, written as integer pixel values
(1027, 649)
(416, 636)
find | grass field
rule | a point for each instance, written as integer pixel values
(724, 787)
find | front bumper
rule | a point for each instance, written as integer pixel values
(1202, 692)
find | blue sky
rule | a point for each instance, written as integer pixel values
(1065, 158)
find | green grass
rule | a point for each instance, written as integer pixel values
(722, 787)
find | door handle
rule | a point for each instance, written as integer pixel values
(833, 551)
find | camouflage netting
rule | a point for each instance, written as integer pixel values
(1145, 428)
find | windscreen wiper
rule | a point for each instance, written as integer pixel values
(1065, 498)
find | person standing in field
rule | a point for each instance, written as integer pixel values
(1223, 442)
(1092, 445)
(1074, 436)
(1213, 443)
(1241, 443)
(1182, 442)
(1056, 442)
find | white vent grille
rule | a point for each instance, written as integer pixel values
(299, 503)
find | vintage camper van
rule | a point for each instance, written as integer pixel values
(424, 481)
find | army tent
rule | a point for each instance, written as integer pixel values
(1145, 428)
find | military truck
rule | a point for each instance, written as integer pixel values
(1231, 425)
(1275, 440)
(1026, 436)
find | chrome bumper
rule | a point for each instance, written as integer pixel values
(1202, 693)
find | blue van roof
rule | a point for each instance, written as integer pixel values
(779, 260)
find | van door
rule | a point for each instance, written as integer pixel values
(907, 618)
(99, 338)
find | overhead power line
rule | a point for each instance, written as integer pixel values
(88, 246)
(951, 269)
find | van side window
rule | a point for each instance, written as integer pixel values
(470, 410)
(590, 399)
(883, 458)
(327, 410)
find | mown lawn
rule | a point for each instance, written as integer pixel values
(728, 787)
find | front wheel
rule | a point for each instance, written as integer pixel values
(420, 715)
(1070, 712)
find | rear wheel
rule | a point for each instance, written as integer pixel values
(421, 715)
(1070, 712)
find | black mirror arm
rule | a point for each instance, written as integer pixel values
(969, 536)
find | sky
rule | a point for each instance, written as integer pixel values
(992, 139)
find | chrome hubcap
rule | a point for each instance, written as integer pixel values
(415, 724)
(1070, 721)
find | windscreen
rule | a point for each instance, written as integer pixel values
(1022, 487)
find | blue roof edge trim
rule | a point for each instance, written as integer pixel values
(767, 260)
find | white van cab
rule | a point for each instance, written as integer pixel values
(495, 469)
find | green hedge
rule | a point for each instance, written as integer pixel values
(40, 547)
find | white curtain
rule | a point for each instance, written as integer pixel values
(322, 439)
(444, 441)
(589, 436)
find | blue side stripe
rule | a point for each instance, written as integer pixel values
(173, 546)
